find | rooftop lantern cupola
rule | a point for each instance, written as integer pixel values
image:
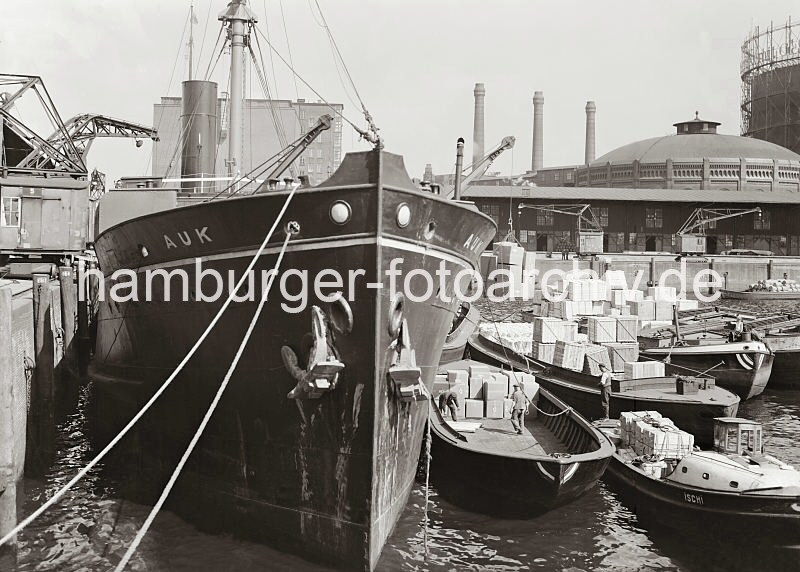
(696, 125)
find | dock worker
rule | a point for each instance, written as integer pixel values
(519, 409)
(449, 398)
(605, 388)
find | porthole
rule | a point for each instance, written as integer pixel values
(705, 476)
(734, 485)
(683, 469)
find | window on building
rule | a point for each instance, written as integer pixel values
(569, 176)
(9, 211)
(544, 218)
(602, 215)
(555, 176)
(302, 114)
(492, 211)
(710, 224)
(523, 236)
(761, 222)
(654, 218)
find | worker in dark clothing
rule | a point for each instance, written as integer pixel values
(605, 388)
(449, 398)
(519, 409)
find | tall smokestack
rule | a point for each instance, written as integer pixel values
(538, 130)
(477, 132)
(199, 130)
(591, 109)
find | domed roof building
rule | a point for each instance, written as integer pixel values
(695, 157)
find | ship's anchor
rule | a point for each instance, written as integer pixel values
(322, 372)
(403, 370)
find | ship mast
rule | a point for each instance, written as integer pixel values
(238, 18)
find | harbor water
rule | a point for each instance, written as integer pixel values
(92, 526)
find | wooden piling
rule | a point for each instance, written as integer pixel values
(769, 270)
(66, 278)
(42, 417)
(8, 412)
(83, 321)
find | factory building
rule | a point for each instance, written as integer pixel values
(643, 192)
(267, 127)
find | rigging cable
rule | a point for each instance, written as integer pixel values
(372, 127)
(169, 86)
(82, 473)
(364, 134)
(176, 473)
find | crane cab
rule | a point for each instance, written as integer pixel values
(737, 436)
(691, 243)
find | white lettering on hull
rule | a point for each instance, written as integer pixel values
(186, 239)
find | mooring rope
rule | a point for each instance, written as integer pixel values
(82, 473)
(176, 473)
(427, 469)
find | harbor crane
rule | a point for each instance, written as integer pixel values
(691, 237)
(290, 154)
(478, 168)
(589, 232)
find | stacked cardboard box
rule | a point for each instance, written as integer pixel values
(528, 382)
(664, 310)
(602, 329)
(616, 280)
(569, 355)
(620, 352)
(594, 357)
(643, 369)
(661, 438)
(662, 293)
(622, 297)
(627, 328)
(645, 309)
(627, 419)
(543, 352)
(550, 330)
(473, 408)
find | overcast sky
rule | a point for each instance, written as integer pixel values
(415, 63)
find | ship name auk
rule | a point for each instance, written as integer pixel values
(186, 238)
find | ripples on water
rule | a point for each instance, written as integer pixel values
(92, 527)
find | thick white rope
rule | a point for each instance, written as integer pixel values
(176, 473)
(82, 473)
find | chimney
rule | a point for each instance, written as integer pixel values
(538, 130)
(428, 176)
(591, 109)
(477, 132)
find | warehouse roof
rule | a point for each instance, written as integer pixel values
(588, 194)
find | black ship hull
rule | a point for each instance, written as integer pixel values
(326, 475)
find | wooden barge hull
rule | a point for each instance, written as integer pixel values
(693, 413)
(758, 296)
(326, 477)
(741, 367)
(520, 485)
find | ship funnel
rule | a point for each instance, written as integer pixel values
(199, 129)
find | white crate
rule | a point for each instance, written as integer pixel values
(602, 329)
